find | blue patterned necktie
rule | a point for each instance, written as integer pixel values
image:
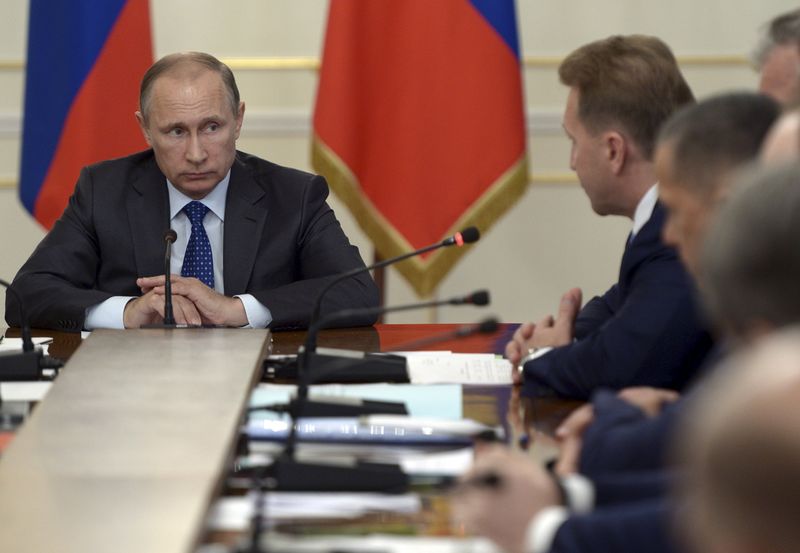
(198, 261)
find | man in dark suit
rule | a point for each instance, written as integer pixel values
(617, 500)
(256, 242)
(645, 330)
(699, 151)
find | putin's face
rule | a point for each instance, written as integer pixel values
(192, 128)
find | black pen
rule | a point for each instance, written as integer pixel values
(485, 480)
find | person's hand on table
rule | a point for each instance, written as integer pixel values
(559, 331)
(149, 309)
(501, 493)
(570, 439)
(518, 348)
(548, 332)
(213, 307)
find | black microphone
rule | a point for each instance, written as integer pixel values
(478, 298)
(487, 326)
(466, 236)
(28, 364)
(169, 237)
(355, 366)
(169, 315)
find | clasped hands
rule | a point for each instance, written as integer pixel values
(193, 303)
(548, 332)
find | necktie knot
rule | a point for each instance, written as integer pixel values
(196, 212)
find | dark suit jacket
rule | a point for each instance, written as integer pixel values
(646, 330)
(622, 438)
(281, 244)
(639, 527)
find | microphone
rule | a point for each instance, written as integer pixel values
(487, 326)
(169, 316)
(466, 236)
(28, 364)
(169, 237)
(478, 298)
(355, 366)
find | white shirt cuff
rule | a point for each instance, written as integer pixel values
(580, 493)
(258, 316)
(108, 314)
(534, 354)
(543, 527)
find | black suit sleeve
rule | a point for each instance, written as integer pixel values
(647, 341)
(622, 438)
(636, 527)
(57, 283)
(322, 252)
(596, 312)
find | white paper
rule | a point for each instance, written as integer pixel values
(234, 513)
(385, 543)
(458, 368)
(15, 344)
(24, 391)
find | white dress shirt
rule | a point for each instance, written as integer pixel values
(109, 314)
(644, 209)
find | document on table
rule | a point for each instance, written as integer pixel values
(385, 543)
(438, 400)
(15, 344)
(235, 513)
(434, 367)
(24, 391)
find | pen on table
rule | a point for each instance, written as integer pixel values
(485, 480)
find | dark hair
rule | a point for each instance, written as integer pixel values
(632, 81)
(711, 138)
(751, 260)
(783, 29)
(171, 62)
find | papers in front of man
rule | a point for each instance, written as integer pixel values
(235, 513)
(385, 543)
(439, 367)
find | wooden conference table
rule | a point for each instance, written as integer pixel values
(133, 442)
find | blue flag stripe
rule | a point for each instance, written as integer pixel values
(64, 41)
(501, 15)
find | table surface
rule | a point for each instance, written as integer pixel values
(492, 405)
(129, 448)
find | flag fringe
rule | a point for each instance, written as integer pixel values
(423, 274)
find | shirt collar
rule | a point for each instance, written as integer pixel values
(644, 209)
(215, 200)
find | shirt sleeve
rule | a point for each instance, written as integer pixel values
(108, 314)
(258, 315)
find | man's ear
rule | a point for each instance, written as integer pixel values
(616, 150)
(239, 119)
(143, 127)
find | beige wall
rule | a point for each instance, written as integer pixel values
(549, 242)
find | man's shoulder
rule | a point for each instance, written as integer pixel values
(267, 172)
(123, 165)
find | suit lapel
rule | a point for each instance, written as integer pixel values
(646, 240)
(244, 223)
(148, 216)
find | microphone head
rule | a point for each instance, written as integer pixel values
(170, 236)
(480, 298)
(488, 326)
(470, 235)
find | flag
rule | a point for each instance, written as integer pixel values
(85, 61)
(418, 124)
